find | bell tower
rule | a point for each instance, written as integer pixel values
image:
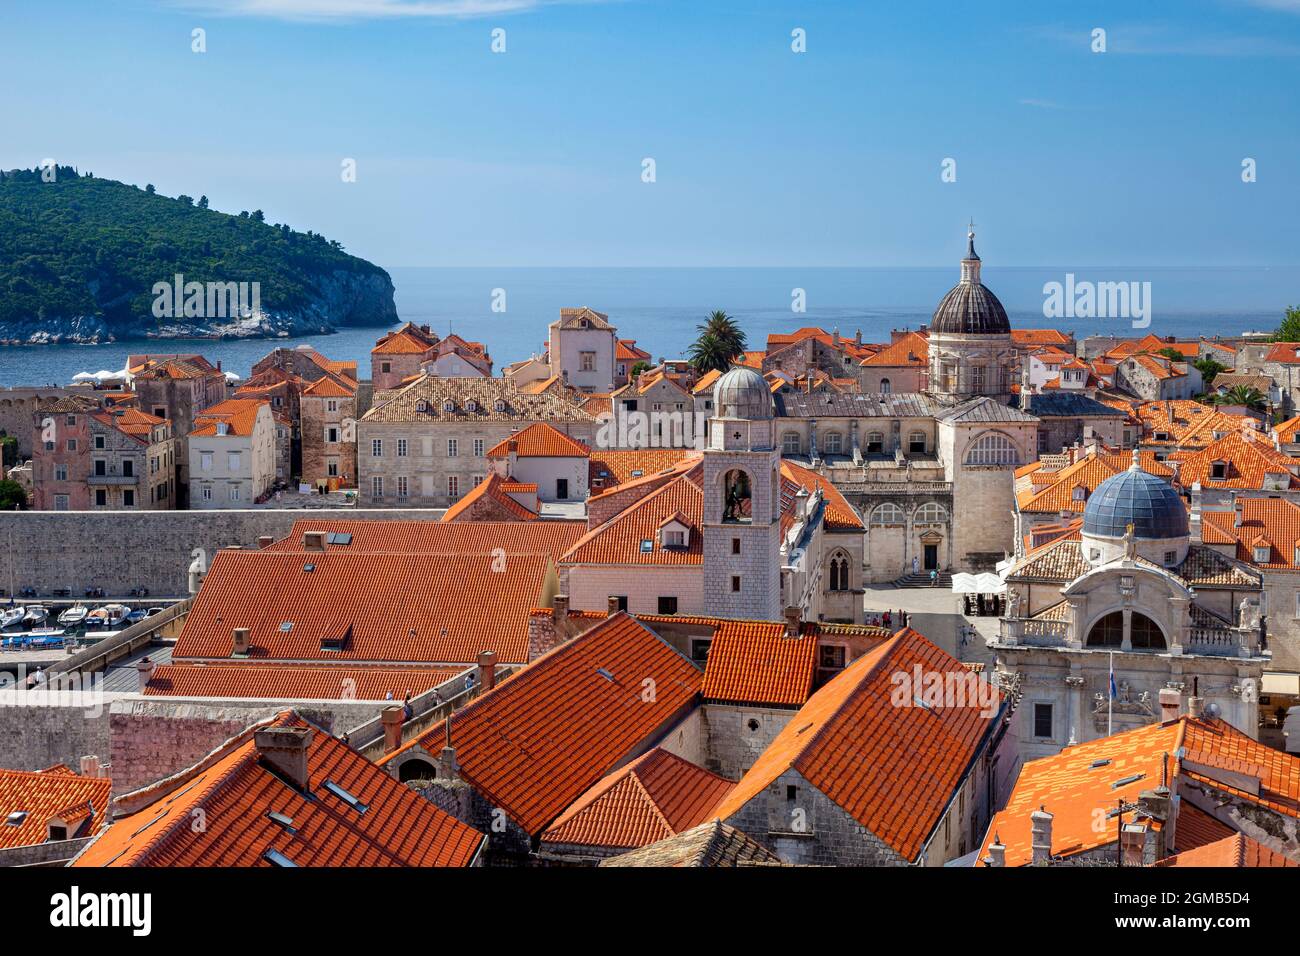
(742, 501)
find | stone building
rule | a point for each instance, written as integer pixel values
(398, 354)
(177, 388)
(582, 348)
(95, 458)
(329, 433)
(1129, 587)
(1157, 378)
(18, 409)
(232, 454)
(425, 444)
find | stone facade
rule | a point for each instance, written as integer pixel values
(329, 439)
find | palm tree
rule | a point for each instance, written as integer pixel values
(720, 342)
(1242, 395)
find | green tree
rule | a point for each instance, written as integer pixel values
(149, 188)
(203, 202)
(12, 496)
(719, 343)
(1244, 395)
(1209, 368)
(1173, 354)
(8, 449)
(1289, 330)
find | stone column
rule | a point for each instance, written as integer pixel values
(1127, 643)
(812, 439)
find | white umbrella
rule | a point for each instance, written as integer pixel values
(963, 583)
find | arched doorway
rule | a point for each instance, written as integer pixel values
(737, 504)
(416, 769)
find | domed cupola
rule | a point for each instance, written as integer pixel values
(743, 393)
(970, 308)
(1148, 505)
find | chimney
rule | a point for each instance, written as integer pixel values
(391, 718)
(612, 609)
(90, 766)
(285, 749)
(240, 640)
(997, 852)
(448, 766)
(561, 606)
(1238, 511)
(313, 541)
(487, 670)
(792, 621)
(1171, 704)
(144, 668)
(264, 541)
(1193, 706)
(1040, 822)
(857, 338)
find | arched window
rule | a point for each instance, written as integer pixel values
(790, 444)
(885, 386)
(1145, 634)
(930, 513)
(887, 514)
(1108, 632)
(736, 500)
(416, 769)
(834, 443)
(994, 448)
(839, 572)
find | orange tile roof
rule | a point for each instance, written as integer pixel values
(1286, 431)
(1188, 424)
(626, 351)
(1039, 337)
(1270, 522)
(753, 662)
(1195, 828)
(389, 608)
(492, 487)
(1247, 462)
(620, 540)
(432, 537)
(1284, 353)
(293, 682)
(239, 415)
(131, 421)
(1074, 789)
(893, 768)
(1157, 367)
(43, 794)
(539, 740)
(705, 382)
(656, 796)
(595, 403)
(540, 440)
(752, 359)
(408, 340)
(330, 386)
(1053, 492)
(173, 366)
(1233, 851)
(234, 793)
(913, 349)
(611, 468)
(840, 515)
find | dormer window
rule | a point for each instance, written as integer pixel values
(1162, 436)
(449, 406)
(1219, 470)
(1080, 493)
(421, 406)
(500, 405)
(674, 539)
(471, 405)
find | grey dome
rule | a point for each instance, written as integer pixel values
(743, 393)
(970, 308)
(1134, 497)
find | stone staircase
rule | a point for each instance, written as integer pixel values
(922, 580)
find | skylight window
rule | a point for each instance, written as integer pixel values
(647, 545)
(1125, 781)
(286, 627)
(605, 674)
(1099, 763)
(309, 568)
(346, 797)
(340, 538)
(284, 821)
(276, 858)
(16, 818)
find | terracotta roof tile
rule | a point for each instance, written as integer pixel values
(621, 540)
(492, 487)
(43, 794)
(1275, 522)
(913, 349)
(540, 440)
(385, 608)
(656, 796)
(1232, 851)
(293, 682)
(537, 741)
(710, 844)
(612, 468)
(1196, 828)
(892, 768)
(236, 795)
(1246, 464)
(432, 537)
(238, 414)
(404, 404)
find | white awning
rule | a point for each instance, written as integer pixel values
(964, 583)
(1281, 684)
(985, 583)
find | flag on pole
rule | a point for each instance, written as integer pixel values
(1114, 692)
(1110, 700)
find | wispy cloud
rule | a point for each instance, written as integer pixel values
(362, 9)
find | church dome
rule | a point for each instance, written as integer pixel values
(1134, 497)
(743, 393)
(970, 308)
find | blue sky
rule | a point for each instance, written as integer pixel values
(832, 157)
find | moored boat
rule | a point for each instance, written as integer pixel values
(74, 616)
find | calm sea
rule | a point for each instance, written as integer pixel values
(661, 307)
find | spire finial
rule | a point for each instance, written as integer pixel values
(1137, 462)
(970, 241)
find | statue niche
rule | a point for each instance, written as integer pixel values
(737, 504)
